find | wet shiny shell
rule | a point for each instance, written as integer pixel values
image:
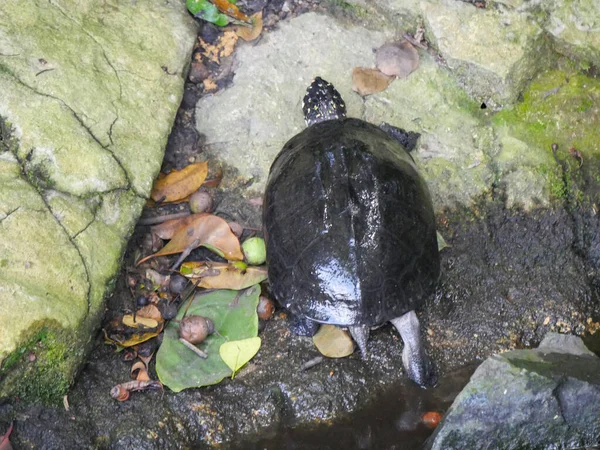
(349, 226)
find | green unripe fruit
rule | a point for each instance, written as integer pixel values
(255, 251)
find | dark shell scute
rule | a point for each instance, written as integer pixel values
(349, 226)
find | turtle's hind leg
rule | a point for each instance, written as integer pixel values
(360, 334)
(416, 362)
(408, 139)
(302, 326)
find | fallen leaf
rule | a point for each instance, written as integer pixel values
(234, 317)
(441, 242)
(5, 441)
(231, 10)
(149, 312)
(367, 81)
(179, 183)
(205, 230)
(237, 353)
(224, 47)
(333, 342)
(139, 371)
(124, 332)
(205, 10)
(398, 59)
(168, 229)
(139, 322)
(209, 85)
(251, 33)
(211, 275)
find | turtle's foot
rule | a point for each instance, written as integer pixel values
(408, 139)
(303, 326)
(417, 364)
(360, 334)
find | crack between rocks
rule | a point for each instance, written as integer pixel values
(73, 243)
(555, 394)
(89, 132)
(9, 213)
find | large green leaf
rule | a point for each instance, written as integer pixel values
(235, 318)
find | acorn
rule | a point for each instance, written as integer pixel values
(265, 308)
(195, 329)
(201, 202)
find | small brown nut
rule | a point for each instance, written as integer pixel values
(195, 329)
(201, 202)
(265, 308)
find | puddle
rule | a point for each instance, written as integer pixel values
(393, 422)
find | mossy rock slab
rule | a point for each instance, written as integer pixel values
(89, 95)
(493, 52)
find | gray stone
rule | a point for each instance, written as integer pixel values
(247, 124)
(493, 52)
(89, 95)
(543, 398)
(575, 26)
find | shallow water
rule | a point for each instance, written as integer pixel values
(392, 422)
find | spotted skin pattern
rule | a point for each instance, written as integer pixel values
(322, 102)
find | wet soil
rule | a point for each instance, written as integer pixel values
(508, 278)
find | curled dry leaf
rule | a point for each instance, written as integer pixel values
(212, 275)
(333, 342)
(121, 391)
(180, 183)
(5, 440)
(139, 371)
(231, 10)
(139, 322)
(208, 230)
(127, 332)
(367, 81)
(249, 34)
(149, 312)
(398, 59)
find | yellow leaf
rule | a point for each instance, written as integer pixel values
(179, 183)
(139, 322)
(237, 353)
(333, 342)
(212, 275)
(251, 33)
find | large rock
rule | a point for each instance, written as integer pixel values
(575, 26)
(543, 398)
(493, 52)
(89, 94)
(247, 124)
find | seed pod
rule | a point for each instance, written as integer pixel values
(201, 202)
(195, 329)
(265, 308)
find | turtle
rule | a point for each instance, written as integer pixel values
(350, 229)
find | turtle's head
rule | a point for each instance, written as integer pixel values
(322, 102)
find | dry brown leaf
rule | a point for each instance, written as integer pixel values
(149, 312)
(203, 229)
(333, 342)
(223, 47)
(213, 275)
(139, 371)
(209, 85)
(230, 9)
(398, 59)
(180, 183)
(251, 33)
(167, 230)
(5, 440)
(139, 322)
(367, 81)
